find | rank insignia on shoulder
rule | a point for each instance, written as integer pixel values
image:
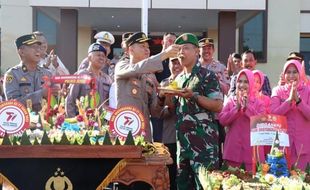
(8, 78)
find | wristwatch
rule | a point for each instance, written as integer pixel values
(194, 98)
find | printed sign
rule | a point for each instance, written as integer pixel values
(127, 119)
(14, 118)
(72, 79)
(264, 127)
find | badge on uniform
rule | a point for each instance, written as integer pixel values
(8, 78)
(24, 68)
(134, 91)
(23, 79)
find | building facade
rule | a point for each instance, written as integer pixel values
(271, 28)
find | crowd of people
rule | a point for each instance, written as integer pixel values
(208, 121)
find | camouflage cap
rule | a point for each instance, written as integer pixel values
(187, 38)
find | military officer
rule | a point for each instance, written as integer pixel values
(197, 131)
(131, 78)
(24, 81)
(97, 55)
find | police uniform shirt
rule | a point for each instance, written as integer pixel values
(219, 69)
(103, 83)
(21, 84)
(131, 86)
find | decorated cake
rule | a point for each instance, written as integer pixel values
(276, 160)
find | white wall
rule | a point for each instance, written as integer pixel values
(13, 26)
(283, 36)
(237, 4)
(84, 40)
(59, 3)
(305, 23)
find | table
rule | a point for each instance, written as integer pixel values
(81, 166)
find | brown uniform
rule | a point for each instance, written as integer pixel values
(131, 87)
(103, 84)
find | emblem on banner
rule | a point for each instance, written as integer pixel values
(59, 181)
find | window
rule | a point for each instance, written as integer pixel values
(305, 51)
(48, 26)
(253, 35)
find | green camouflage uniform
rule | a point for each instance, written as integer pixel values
(196, 130)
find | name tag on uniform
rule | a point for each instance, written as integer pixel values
(25, 84)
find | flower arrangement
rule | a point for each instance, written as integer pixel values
(52, 127)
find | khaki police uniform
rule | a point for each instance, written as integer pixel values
(21, 84)
(131, 87)
(103, 83)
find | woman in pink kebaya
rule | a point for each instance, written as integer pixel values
(235, 115)
(292, 100)
(258, 84)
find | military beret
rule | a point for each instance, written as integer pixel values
(104, 36)
(187, 38)
(126, 35)
(96, 47)
(206, 41)
(27, 39)
(295, 56)
(138, 37)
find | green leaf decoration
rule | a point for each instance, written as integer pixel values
(85, 102)
(25, 139)
(129, 139)
(64, 140)
(6, 140)
(92, 100)
(97, 142)
(53, 101)
(117, 142)
(75, 142)
(86, 140)
(224, 166)
(307, 170)
(36, 142)
(15, 140)
(107, 139)
(45, 140)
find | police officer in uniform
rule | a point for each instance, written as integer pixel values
(24, 81)
(131, 78)
(97, 55)
(105, 39)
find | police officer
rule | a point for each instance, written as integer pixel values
(24, 81)
(105, 39)
(97, 55)
(131, 78)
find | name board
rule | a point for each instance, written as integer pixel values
(264, 128)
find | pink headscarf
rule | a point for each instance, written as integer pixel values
(250, 76)
(298, 67)
(261, 76)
